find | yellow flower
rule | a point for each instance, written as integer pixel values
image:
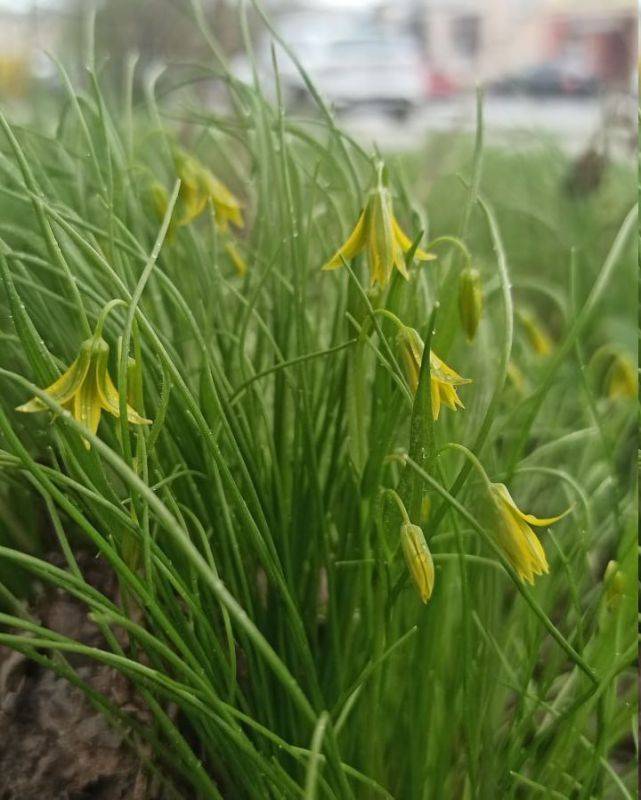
(86, 389)
(418, 559)
(198, 186)
(538, 337)
(378, 233)
(621, 379)
(443, 379)
(516, 538)
(470, 301)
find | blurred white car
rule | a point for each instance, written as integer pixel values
(352, 65)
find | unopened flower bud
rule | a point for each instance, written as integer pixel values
(418, 558)
(470, 301)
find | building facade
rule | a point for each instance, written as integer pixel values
(481, 41)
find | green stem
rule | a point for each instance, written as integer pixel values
(100, 324)
(458, 243)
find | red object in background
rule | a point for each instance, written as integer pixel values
(438, 84)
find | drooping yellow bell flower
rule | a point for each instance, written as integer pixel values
(538, 337)
(443, 379)
(197, 186)
(86, 389)
(418, 559)
(378, 233)
(515, 537)
(621, 379)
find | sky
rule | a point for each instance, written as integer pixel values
(27, 5)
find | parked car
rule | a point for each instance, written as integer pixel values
(352, 65)
(547, 80)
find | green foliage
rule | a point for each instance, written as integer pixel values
(263, 587)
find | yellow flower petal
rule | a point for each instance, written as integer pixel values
(399, 261)
(444, 373)
(400, 235)
(226, 204)
(516, 538)
(86, 404)
(449, 397)
(352, 246)
(537, 553)
(541, 522)
(423, 255)
(107, 393)
(406, 243)
(62, 389)
(381, 242)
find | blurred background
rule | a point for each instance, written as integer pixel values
(394, 70)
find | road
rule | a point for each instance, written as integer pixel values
(571, 123)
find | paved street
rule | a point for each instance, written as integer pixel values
(571, 123)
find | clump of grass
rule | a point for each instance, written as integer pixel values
(256, 525)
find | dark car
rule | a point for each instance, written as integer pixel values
(548, 80)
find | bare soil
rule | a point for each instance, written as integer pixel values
(54, 744)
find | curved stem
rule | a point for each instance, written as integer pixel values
(470, 457)
(390, 315)
(100, 324)
(456, 242)
(401, 505)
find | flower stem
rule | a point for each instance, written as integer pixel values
(104, 314)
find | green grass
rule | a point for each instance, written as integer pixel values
(263, 588)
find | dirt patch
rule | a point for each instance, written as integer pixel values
(55, 744)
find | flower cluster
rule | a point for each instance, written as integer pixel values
(378, 234)
(85, 389)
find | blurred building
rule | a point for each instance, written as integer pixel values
(470, 40)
